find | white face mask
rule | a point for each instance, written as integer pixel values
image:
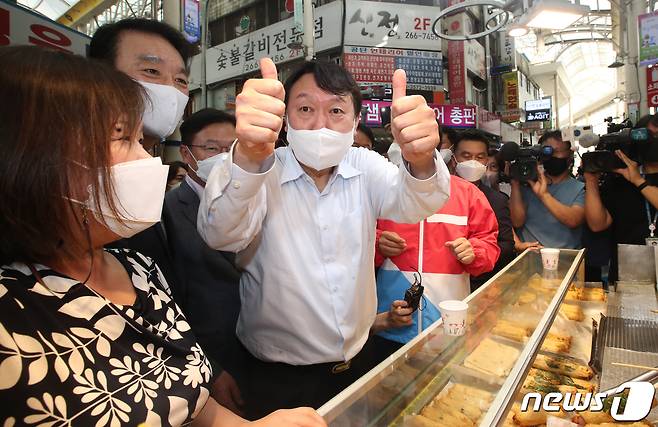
(395, 154)
(471, 170)
(490, 179)
(204, 167)
(446, 154)
(163, 110)
(139, 188)
(319, 148)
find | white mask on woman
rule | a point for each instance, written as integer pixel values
(139, 189)
(471, 170)
(319, 148)
(163, 109)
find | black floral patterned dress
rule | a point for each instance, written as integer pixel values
(68, 356)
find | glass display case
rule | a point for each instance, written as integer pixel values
(473, 379)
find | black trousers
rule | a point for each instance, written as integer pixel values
(269, 386)
(382, 348)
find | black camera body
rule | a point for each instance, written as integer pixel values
(524, 160)
(632, 142)
(413, 295)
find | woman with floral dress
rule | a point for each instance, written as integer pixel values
(89, 336)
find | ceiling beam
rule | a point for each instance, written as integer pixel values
(83, 10)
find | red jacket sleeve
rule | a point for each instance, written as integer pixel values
(379, 258)
(482, 233)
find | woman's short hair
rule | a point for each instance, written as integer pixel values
(57, 118)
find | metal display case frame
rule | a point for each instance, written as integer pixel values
(435, 355)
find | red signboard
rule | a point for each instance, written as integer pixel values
(464, 116)
(652, 86)
(456, 73)
(19, 26)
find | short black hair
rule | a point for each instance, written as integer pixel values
(554, 134)
(199, 120)
(173, 169)
(368, 132)
(103, 45)
(471, 135)
(645, 120)
(449, 132)
(331, 78)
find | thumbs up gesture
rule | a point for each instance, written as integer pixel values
(414, 127)
(259, 111)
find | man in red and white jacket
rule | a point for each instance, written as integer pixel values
(458, 241)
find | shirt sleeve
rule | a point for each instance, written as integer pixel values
(580, 196)
(398, 196)
(483, 234)
(233, 205)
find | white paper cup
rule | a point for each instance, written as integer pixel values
(453, 313)
(550, 258)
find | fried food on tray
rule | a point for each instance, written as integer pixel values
(527, 298)
(492, 358)
(556, 345)
(549, 382)
(511, 331)
(573, 312)
(460, 406)
(469, 393)
(563, 366)
(637, 424)
(421, 421)
(446, 415)
(585, 294)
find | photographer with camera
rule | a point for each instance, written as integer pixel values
(549, 209)
(625, 200)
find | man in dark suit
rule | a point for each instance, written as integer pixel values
(207, 290)
(157, 56)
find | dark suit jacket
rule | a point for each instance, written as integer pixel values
(500, 204)
(152, 243)
(208, 289)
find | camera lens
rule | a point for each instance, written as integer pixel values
(547, 150)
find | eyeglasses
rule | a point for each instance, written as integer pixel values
(212, 148)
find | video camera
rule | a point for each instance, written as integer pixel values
(524, 160)
(630, 141)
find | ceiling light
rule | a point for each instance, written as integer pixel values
(553, 14)
(517, 30)
(619, 62)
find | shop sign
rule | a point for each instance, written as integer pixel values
(512, 112)
(488, 121)
(19, 26)
(538, 110)
(191, 27)
(376, 66)
(652, 86)
(474, 58)
(241, 55)
(507, 52)
(447, 115)
(509, 116)
(648, 35)
(391, 25)
(456, 64)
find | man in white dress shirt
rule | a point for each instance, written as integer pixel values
(302, 219)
